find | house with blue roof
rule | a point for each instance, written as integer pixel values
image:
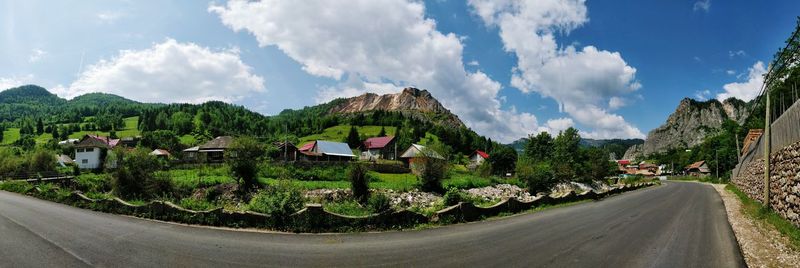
(326, 151)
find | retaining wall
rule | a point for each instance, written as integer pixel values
(784, 182)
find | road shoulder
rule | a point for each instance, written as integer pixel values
(761, 244)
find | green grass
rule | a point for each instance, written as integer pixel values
(130, 130)
(10, 136)
(710, 179)
(200, 177)
(755, 210)
(339, 133)
(396, 182)
(461, 180)
(347, 207)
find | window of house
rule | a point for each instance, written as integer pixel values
(85, 161)
(80, 150)
(90, 150)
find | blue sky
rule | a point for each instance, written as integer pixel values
(613, 69)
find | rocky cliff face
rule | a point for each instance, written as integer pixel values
(412, 101)
(689, 125)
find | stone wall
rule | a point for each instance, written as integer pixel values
(784, 181)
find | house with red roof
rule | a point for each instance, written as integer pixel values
(90, 151)
(477, 158)
(379, 148)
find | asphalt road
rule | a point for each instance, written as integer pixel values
(673, 225)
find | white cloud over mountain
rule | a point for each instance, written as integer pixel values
(379, 46)
(169, 72)
(14, 81)
(586, 82)
(746, 90)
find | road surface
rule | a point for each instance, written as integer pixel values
(674, 225)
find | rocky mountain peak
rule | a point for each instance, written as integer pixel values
(689, 125)
(413, 101)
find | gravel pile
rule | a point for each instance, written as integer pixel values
(413, 198)
(501, 191)
(327, 195)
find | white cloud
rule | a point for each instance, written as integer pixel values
(579, 80)
(738, 53)
(384, 44)
(703, 5)
(746, 90)
(108, 16)
(169, 72)
(473, 63)
(730, 72)
(15, 81)
(702, 95)
(36, 55)
(616, 103)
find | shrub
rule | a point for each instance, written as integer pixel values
(359, 182)
(160, 185)
(379, 203)
(243, 157)
(196, 205)
(134, 174)
(484, 170)
(93, 182)
(16, 186)
(538, 176)
(453, 196)
(280, 200)
(42, 161)
(431, 171)
(347, 207)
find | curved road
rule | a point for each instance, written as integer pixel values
(674, 225)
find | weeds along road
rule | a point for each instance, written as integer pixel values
(678, 224)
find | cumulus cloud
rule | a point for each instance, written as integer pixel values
(585, 82)
(15, 81)
(386, 45)
(746, 90)
(702, 94)
(703, 5)
(169, 72)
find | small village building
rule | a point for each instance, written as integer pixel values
(477, 158)
(213, 151)
(326, 151)
(64, 160)
(750, 139)
(379, 148)
(698, 169)
(652, 169)
(91, 151)
(417, 152)
(68, 142)
(161, 153)
(191, 155)
(285, 151)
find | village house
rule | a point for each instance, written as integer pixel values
(417, 152)
(326, 151)
(191, 155)
(285, 151)
(379, 148)
(91, 150)
(477, 158)
(698, 169)
(213, 151)
(161, 154)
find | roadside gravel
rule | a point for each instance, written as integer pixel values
(762, 245)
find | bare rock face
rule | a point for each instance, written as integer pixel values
(412, 101)
(689, 125)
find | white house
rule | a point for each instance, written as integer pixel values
(89, 151)
(478, 157)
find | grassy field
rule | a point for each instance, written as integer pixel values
(339, 133)
(131, 130)
(10, 135)
(188, 140)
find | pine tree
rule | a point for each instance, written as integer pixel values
(383, 132)
(353, 139)
(39, 127)
(55, 133)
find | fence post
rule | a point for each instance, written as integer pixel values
(767, 138)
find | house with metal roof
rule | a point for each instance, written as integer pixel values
(417, 152)
(477, 158)
(326, 151)
(379, 148)
(213, 151)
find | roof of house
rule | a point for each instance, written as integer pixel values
(416, 150)
(193, 149)
(160, 152)
(378, 142)
(62, 158)
(333, 148)
(482, 154)
(92, 141)
(222, 142)
(696, 165)
(307, 147)
(624, 162)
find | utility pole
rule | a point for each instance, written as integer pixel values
(767, 139)
(716, 159)
(738, 150)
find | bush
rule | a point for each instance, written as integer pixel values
(243, 157)
(280, 200)
(16, 186)
(359, 182)
(196, 205)
(538, 176)
(160, 185)
(348, 208)
(431, 172)
(134, 174)
(453, 196)
(42, 161)
(484, 170)
(379, 203)
(93, 182)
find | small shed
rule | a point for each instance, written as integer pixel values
(161, 153)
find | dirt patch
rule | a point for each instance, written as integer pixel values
(762, 245)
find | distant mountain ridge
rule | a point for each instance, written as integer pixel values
(615, 146)
(691, 122)
(412, 101)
